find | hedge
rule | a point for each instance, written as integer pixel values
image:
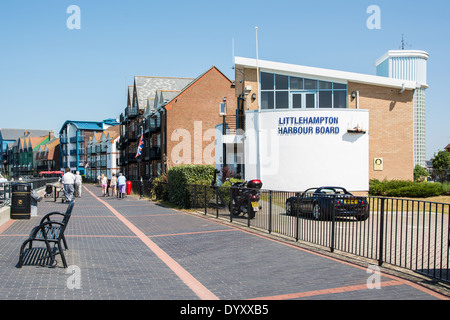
(400, 188)
(181, 176)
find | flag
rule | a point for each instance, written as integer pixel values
(141, 145)
(87, 165)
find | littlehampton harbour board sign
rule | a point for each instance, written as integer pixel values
(308, 125)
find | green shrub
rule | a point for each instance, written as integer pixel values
(181, 176)
(159, 187)
(400, 188)
(446, 188)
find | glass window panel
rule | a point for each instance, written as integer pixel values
(310, 84)
(340, 99)
(267, 100)
(325, 85)
(296, 101)
(296, 83)
(310, 100)
(325, 99)
(267, 81)
(282, 101)
(281, 82)
(341, 86)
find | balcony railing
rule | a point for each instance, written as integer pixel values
(131, 136)
(131, 112)
(155, 153)
(76, 139)
(153, 124)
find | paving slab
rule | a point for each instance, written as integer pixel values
(131, 249)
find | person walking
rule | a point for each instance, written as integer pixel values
(113, 184)
(68, 181)
(121, 182)
(78, 182)
(104, 183)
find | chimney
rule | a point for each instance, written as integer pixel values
(51, 135)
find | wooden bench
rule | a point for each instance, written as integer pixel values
(49, 231)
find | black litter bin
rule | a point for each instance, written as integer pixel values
(20, 201)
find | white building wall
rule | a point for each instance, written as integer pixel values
(323, 154)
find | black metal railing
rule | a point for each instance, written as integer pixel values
(233, 124)
(404, 233)
(5, 193)
(5, 187)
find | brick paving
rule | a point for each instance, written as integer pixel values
(131, 249)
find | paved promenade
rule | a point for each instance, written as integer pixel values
(131, 249)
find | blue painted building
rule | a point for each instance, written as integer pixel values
(74, 137)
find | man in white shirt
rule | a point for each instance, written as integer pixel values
(77, 186)
(68, 181)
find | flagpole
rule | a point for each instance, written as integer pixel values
(258, 148)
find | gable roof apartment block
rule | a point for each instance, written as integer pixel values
(140, 101)
(170, 107)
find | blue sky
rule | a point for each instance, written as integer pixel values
(50, 74)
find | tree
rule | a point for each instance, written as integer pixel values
(441, 164)
(420, 173)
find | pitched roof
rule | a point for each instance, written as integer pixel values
(14, 134)
(36, 141)
(168, 97)
(51, 146)
(113, 132)
(130, 95)
(145, 87)
(84, 125)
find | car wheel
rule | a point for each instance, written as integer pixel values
(363, 217)
(317, 212)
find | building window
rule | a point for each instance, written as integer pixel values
(289, 92)
(223, 108)
(267, 100)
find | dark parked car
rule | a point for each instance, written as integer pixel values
(319, 203)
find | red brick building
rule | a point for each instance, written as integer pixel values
(177, 117)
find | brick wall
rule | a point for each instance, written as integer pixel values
(390, 129)
(193, 116)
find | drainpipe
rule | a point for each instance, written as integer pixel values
(357, 99)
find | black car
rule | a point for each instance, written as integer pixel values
(320, 203)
